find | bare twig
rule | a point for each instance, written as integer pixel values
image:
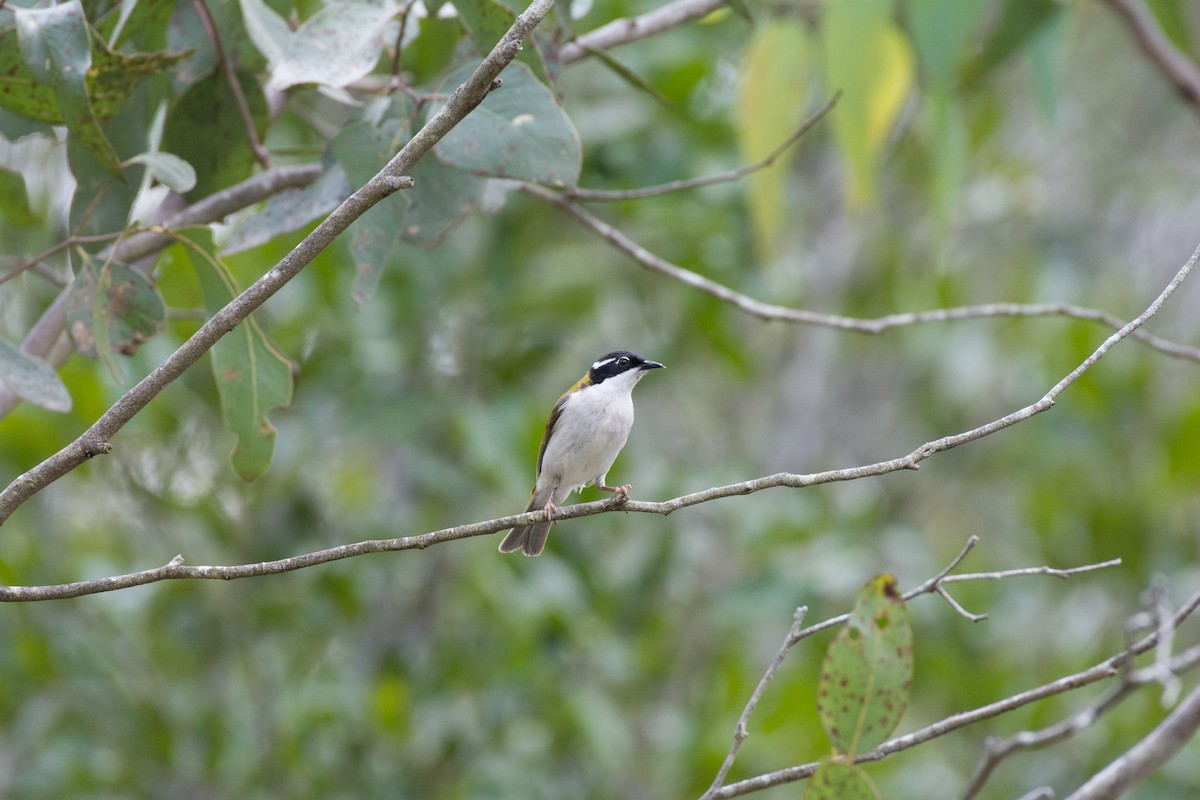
(740, 731)
(631, 29)
(776, 313)
(226, 66)
(1176, 67)
(1105, 669)
(95, 440)
(1154, 750)
(998, 750)
(708, 180)
(44, 337)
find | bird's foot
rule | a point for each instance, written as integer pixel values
(621, 490)
(550, 510)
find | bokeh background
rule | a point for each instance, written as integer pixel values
(616, 664)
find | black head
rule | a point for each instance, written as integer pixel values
(617, 363)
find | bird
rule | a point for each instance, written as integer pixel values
(587, 429)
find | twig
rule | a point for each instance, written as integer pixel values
(1105, 669)
(631, 29)
(997, 750)
(708, 180)
(775, 313)
(393, 177)
(34, 261)
(1176, 67)
(740, 731)
(1154, 750)
(226, 66)
(47, 332)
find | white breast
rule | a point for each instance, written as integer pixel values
(593, 427)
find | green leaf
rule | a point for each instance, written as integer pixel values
(291, 210)
(32, 379)
(269, 31)
(56, 47)
(948, 150)
(741, 8)
(486, 22)
(867, 671)
(519, 131)
(362, 149)
(1174, 24)
(334, 47)
(111, 309)
(775, 72)
(870, 60)
(206, 129)
(1018, 21)
(169, 170)
(14, 199)
(441, 198)
(941, 31)
(111, 80)
(252, 377)
(627, 74)
(101, 203)
(840, 780)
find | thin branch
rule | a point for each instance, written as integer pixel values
(1176, 67)
(34, 261)
(776, 313)
(96, 439)
(1154, 750)
(998, 750)
(631, 29)
(226, 66)
(44, 337)
(741, 731)
(1105, 669)
(708, 180)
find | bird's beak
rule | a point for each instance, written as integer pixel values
(651, 365)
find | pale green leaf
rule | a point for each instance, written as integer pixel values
(775, 76)
(32, 379)
(334, 47)
(169, 170)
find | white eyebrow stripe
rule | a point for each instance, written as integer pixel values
(600, 364)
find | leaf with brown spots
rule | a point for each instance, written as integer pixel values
(867, 673)
(836, 779)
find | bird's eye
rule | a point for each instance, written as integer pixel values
(622, 362)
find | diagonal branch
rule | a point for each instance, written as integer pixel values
(776, 313)
(30, 483)
(96, 439)
(1181, 71)
(631, 29)
(709, 180)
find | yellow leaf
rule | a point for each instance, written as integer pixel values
(871, 61)
(775, 76)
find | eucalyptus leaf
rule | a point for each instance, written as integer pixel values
(169, 170)
(334, 47)
(519, 131)
(32, 379)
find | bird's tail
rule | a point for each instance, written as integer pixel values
(529, 539)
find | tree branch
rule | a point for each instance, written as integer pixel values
(95, 440)
(1149, 754)
(775, 313)
(631, 29)
(708, 180)
(998, 750)
(1176, 67)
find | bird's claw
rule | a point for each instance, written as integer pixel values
(550, 511)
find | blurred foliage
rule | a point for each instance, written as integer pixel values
(1016, 151)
